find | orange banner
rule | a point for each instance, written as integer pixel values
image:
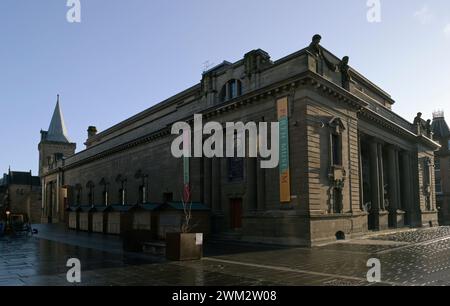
(285, 179)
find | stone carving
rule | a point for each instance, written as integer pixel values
(419, 123)
(423, 127)
(337, 177)
(207, 83)
(428, 128)
(314, 47)
(344, 69)
(317, 51)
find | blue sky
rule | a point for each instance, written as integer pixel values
(127, 55)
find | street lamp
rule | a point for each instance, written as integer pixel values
(8, 225)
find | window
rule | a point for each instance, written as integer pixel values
(232, 89)
(105, 197)
(90, 186)
(336, 150)
(142, 195)
(437, 164)
(122, 196)
(58, 156)
(438, 184)
(235, 169)
(143, 187)
(91, 196)
(78, 196)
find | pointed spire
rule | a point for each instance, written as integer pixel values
(57, 130)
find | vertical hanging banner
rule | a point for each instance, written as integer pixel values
(285, 180)
(186, 178)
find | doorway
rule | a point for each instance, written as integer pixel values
(235, 214)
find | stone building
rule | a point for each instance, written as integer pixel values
(442, 167)
(53, 148)
(349, 163)
(20, 193)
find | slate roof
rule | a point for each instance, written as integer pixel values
(57, 130)
(440, 128)
(20, 178)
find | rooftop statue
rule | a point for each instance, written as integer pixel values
(344, 69)
(419, 123)
(428, 128)
(317, 51)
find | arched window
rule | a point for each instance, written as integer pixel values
(78, 194)
(105, 199)
(143, 187)
(232, 89)
(90, 187)
(122, 195)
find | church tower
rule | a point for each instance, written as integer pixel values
(55, 144)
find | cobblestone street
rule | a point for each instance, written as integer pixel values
(410, 257)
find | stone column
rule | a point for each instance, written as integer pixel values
(374, 178)
(216, 182)
(381, 176)
(394, 192)
(261, 187)
(378, 214)
(207, 180)
(251, 184)
(361, 176)
(407, 186)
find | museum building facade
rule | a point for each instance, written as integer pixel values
(352, 164)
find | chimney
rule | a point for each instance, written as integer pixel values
(92, 131)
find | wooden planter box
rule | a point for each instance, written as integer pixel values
(119, 219)
(85, 221)
(184, 246)
(113, 226)
(171, 218)
(74, 223)
(99, 221)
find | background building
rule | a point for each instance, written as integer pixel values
(20, 193)
(53, 148)
(442, 167)
(350, 163)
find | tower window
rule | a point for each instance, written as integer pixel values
(437, 164)
(438, 184)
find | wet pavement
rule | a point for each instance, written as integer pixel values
(411, 257)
